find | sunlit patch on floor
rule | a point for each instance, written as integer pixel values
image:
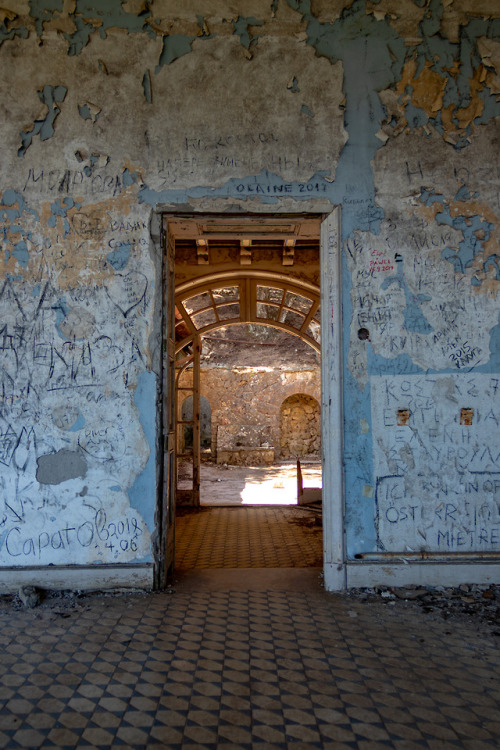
(255, 485)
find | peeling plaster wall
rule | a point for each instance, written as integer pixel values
(113, 109)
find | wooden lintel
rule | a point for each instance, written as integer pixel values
(302, 226)
(288, 252)
(246, 252)
(202, 252)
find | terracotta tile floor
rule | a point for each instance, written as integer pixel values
(244, 658)
(249, 537)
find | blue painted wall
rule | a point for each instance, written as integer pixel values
(392, 117)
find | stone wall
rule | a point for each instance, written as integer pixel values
(249, 397)
(300, 421)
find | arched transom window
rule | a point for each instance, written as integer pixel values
(227, 300)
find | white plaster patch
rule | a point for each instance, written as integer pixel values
(437, 477)
(365, 427)
(235, 117)
(84, 521)
(413, 302)
(78, 324)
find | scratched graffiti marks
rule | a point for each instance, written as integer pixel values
(438, 471)
(127, 291)
(87, 247)
(57, 393)
(66, 339)
(414, 302)
(35, 353)
(275, 134)
(440, 207)
(69, 359)
(79, 524)
(40, 367)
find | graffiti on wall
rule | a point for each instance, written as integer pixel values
(393, 116)
(71, 443)
(437, 454)
(414, 302)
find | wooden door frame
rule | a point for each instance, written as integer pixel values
(334, 560)
(332, 421)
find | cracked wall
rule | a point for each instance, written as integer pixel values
(113, 109)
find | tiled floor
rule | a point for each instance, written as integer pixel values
(248, 537)
(245, 658)
(252, 667)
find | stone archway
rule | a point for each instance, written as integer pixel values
(300, 426)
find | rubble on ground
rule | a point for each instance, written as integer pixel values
(474, 602)
(470, 603)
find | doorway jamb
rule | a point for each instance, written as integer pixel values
(331, 387)
(331, 404)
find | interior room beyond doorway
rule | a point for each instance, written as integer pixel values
(259, 415)
(248, 390)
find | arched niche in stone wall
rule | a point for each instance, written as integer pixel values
(300, 427)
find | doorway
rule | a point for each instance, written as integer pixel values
(250, 373)
(255, 269)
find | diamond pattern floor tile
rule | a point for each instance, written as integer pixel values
(248, 537)
(249, 666)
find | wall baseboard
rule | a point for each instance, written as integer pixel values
(78, 577)
(421, 573)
